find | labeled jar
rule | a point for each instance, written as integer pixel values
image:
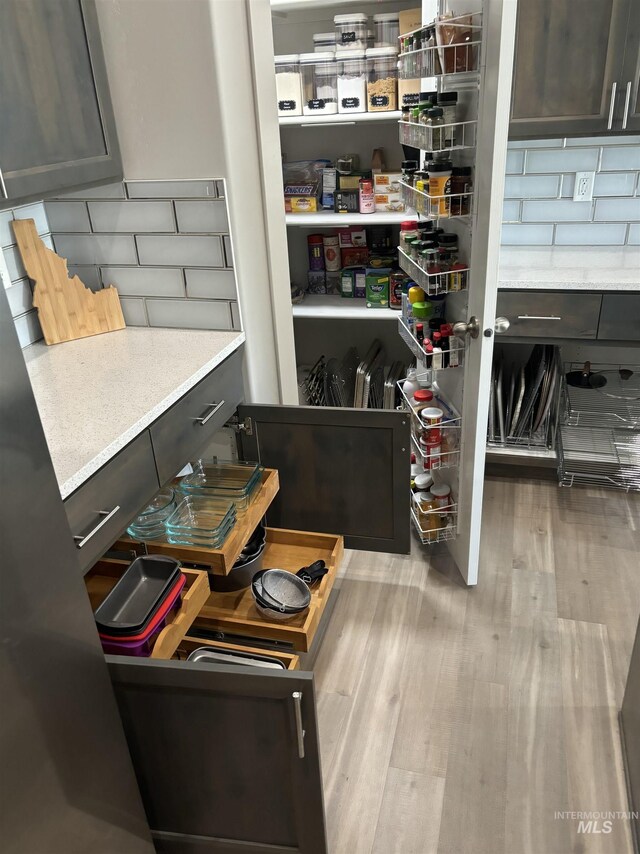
(319, 83)
(439, 186)
(442, 496)
(366, 196)
(352, 82)
(315, 248)
(382, 88)
(323, 42)
(397, 283)
(331, 247)
(428, 518)
(288, 85)
(351, 31)
(409, 169)
(435, 123)
(448, 103)
(460, 185)
(408, 230)
(423, 480)
(387, 29)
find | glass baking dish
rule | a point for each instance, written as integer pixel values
(234, 481)
(200, 520)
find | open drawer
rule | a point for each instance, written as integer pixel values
(189, 644)
(235, 615)
(217, 561)
(102, 578)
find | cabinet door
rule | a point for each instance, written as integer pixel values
(226, 759)
(342, 471)
(568, 58)
(58, 130)
(630, 77)
(620, 317)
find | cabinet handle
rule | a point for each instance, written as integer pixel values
(612, 105)
(627, 99)
(3, 186)
(538, 317)
(297, 705)
(204, 418)
(108, 514)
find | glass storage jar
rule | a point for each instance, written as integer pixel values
(288, 85)
(387, 26)
(319, 83)
(351, 31)
(352, 82)
(382, 88)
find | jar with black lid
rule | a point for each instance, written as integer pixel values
(409, 169)
(461, 183)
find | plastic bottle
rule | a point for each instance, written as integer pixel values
(410, 386)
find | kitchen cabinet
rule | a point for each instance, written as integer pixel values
(539, 314)
(574, 67)
(620, 317)
(58, 127)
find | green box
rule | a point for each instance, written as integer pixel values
(377, 284)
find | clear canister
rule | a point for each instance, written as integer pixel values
(288, 85)
(387, 26)
(382, 88)
(323, 42)
(351, 31)
(352, 82)
(319, 83)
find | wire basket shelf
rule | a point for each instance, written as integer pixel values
(450, 206)
(435, 526)
(454, 59)
(457, 135)
(434, 454)
(433, 283)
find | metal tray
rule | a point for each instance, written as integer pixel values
(210, 655)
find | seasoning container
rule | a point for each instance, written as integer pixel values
(460, 184)
(442, 496)
(367, 199)
(319, 83)
(352, 82)
(288, 85)
(382, 88)
(439, 186)
(331, 248)
(431, 417)
(435, 123)
(428, 519)
(423, 480)
(387, 29)
(448, 101)
(323, 42)
(351, 31)
(408, 229)
(422, 399)
(409, 168)
(397, 282)
(315, 248)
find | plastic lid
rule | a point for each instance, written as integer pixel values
(325, 37)
(434, 112)
(424, 497)
(448, 98)
(408, 225)
(315, 238)
(286, 58)
(440, 491)
(444, 166)
(409, 164)
(447, 239)
(347, 55)
(423, 395)
(386, 16)
(424, 480)
(319, 56)
(354, 17)
(374, 52)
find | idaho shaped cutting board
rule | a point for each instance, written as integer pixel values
(67, 309)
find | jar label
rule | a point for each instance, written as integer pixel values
(411, 99)
(350, 103)
(347, 38)
(316, 104)
(286, 105)
(379, 100)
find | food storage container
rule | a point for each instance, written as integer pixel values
(237, 481)
(319, 83)
(387, 26)
(201, 521)
(351, 31)
(382, 86)
(323, 42)
(149, 525)
(288, 85)
(352, 82)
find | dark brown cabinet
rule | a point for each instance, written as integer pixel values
(575, 68)
(58, 130)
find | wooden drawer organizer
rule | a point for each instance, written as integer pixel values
(217, 561)
(188, 644)
(236, 614)
(102, 578)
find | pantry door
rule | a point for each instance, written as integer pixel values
(498, 37)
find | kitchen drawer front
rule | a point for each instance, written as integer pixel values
(102, 507)
(620, 317)
(538, 314)
(181, 433)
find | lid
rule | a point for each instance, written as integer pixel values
(461, 170)
(329, 238)
(352, 18)
(424, 480)
(448, 98)
(412, 373)
(435, 168)
(315, 238)
(347, 55)
(441, 491)
(405, 109)
(432, 412)
(429, 244)
(382, 17)
(428, 347)
(375, 52)
(446, 329)
(436, 337)
(426, 227)
(319, 56)
(423, 496)
(286, 58)
(434, 112)
(419, 325)
(423, 395)
(408, 224)
(408, 165)
(447, 239)
(325, 37)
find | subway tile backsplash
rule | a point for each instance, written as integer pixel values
(539, 209)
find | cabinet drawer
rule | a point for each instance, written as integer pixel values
(183, 431)
(620, 317)
(235, 616)
(537, 314)
(102, 507)
(103, 577)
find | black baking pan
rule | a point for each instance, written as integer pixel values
(137, 595)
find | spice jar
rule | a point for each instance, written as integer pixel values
(442, 496)
(352, 82)
(409, 168)
(435, 123)
(408, 229)
(439, 186)
(428, 518)
(448, 101)
(331, 248)
(351, 31)
(382, 88)
(316, 251)
(460, 184)
(319, 83)
(387, 26)
(422, 479)
(288, 85)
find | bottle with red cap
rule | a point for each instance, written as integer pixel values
(408, 229)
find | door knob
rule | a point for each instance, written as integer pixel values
(501, 325)
(471, 328)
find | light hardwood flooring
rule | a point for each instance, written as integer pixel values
(458, 721)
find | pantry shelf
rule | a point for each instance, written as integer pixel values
(335, 220)
(337, 307)
(340, 119)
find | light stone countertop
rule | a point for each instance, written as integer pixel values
(95, 395)
(568, 268)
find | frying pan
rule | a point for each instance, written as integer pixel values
(585, 378)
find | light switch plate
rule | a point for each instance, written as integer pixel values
(4, 271)
(583, 188)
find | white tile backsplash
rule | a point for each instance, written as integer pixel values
(180, 250)
(511, 210)
(558, 210)
(622, 158)
(614, 184)
(133, 311)
(6, 233)
(146, 281)
(28, 328)
(515, 162)
(211, 284)
(527, 235)
(129, 217)
(14, 263)
(591, 234)
(88, 275)
(531, 186)
(171, 189)
(633, 238)
(68, 216)
(206, 216)
(189, 314)
(560, 160)
(235, 316)
(96, 248)
(106, 191)
(20, 297)
(37, 213)
(617, 210)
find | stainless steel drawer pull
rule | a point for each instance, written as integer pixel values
(3, 186)
(538, 317)
(106, 514)
(204, 418)
(612, 105)
(297, 705)
(627, 99)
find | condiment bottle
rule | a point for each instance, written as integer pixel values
(442, 496)
(448, 101)
(408, 230)
(439, 186)
(367, 197)
(428, 518)
(420, 333)
(437, 362)
(460, 184)
(410, 386)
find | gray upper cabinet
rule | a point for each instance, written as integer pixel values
(58, 130)
(568, 68)
(630, 78)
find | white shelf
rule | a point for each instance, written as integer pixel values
(331, 305)
(341, 119)
(330, 218)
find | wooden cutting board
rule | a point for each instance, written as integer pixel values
(67, 309)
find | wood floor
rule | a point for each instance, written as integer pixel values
(459, 721)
